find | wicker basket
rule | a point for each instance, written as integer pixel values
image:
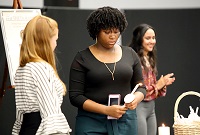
(189, 128)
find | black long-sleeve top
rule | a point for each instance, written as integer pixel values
(90, 79)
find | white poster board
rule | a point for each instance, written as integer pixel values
(12, 22)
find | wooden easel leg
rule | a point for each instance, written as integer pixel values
(16, 5)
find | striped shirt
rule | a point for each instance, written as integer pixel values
(37, 89)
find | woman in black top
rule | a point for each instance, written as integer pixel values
(102, 69)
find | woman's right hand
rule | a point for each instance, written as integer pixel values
(116, 111)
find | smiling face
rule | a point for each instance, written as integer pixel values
(149, 41)
(108, 38)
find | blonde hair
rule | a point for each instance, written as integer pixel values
(36, 44)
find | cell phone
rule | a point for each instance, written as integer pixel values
(113, 99)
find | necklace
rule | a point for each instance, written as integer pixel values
(112, 72)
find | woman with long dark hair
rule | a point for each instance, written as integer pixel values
(143, 42)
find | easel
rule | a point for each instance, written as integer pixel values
(16, 5)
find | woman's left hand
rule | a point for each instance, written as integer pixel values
(131, 105)
(169, 79)
(138, 98)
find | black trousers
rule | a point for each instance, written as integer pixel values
(30, 123)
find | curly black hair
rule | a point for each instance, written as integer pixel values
(105, 18)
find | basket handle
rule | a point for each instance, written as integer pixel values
(179, 98)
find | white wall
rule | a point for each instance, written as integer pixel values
(140, 4)
(25, 3)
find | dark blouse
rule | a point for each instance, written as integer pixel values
(90, 79)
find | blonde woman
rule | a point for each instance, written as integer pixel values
(38, 88)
